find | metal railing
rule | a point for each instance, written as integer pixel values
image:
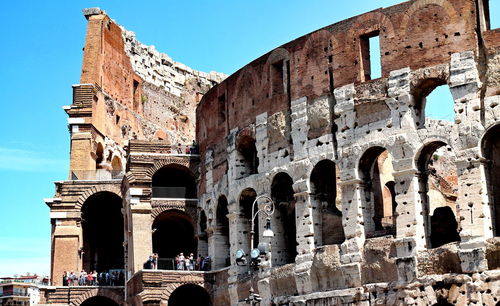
(98, 174)
(172, 192)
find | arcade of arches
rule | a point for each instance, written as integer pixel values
(102, 226)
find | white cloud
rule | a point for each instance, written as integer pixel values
(24, 160)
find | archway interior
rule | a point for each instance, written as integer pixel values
(99, 156)
(99, 301)
(174, 181)
(102, 226)
(284, 250)
(438, 191)
(222, 255)
(326, 204)
(247, 197)
(427, 100)
(173, 233)
(116, 164)
(491, 151)
(189, 294)
(376, 173)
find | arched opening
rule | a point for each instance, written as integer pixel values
(491, 152)
(438, 193)
(433, 100)
(375, 171)
(174, 181)
(99, 301)
(248, 151)
(247, 197)
(203, 234)
(284, 248)
(222, 256)
(99, 153)
(326, 204)
(173, 233)
(102, 227)
(189, 294)
(116, 164)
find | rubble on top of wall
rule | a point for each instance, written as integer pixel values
(160, 69)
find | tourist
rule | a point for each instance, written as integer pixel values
(191, 262)
(94, 277)
(90, 279)
(65, 279)
(199, 262)
(155, 261)
(182, 260)
(187, 264)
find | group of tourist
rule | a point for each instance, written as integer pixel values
(93, 278)
(193, 149)
(190, 264)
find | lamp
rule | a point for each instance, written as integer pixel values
(268, 233)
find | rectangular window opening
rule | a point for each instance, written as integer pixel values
(222, 108)
(135, 93)
(370, 56)
(330, 78)
(277, 78)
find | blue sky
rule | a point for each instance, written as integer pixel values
(41, 58)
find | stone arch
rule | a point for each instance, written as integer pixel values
(189, 294)
(173, 232)
(421, 88)
(167, 291)
(158, 164)
(417, 5)
(98, 292)
(245, 201)
(112, 188)
(116, 163)
(247, 151)
(246, 85)
(370, 22)
(436, 193)
(283, 221)
(324, 199)
(222, 254)
(490, 151)
(99, 155)
(174, 181)
(375, 170)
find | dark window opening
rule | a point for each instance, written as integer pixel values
(189, 294)
(277, 78)
(248, 150)
(102, 228)
(222, 258)
(99, 156)
(174, 181)
(330, 79)
(222, 109)
(285, 230)
(135, 94)
(247, 197)
(438, 193)
(491, 151)
(117, 119)
(288, 84)
(326, 204)
(173, 233)
(371, 67)
(203, 226)
(378, 207)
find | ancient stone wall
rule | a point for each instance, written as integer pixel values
(413, 202)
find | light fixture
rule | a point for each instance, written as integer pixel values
(268, 233)
(240, 257)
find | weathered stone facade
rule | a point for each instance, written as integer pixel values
(375, 203)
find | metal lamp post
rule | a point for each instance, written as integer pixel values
(268, 209)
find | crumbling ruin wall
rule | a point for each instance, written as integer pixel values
(314, 99)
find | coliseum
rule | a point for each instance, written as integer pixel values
(369, 200)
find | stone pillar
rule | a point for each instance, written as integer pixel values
(140, 246)
(305, 240)
(80, 155)
(66, 256)
(474, 211)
